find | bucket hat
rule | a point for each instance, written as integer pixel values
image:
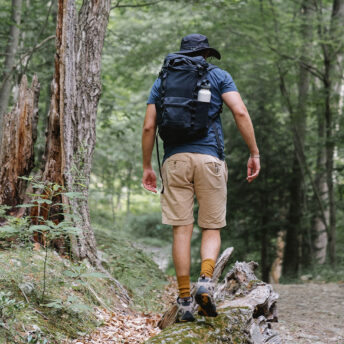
(197, 42)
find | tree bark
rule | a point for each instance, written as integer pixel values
(71, 134)
(130, 169)
(291, 262)
(10, 55)
(333, 57)
(76, 89)
(17, 153)
(319, 227)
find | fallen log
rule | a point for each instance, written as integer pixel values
(170, 315)
(246, 307)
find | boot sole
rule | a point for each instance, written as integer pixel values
(206, 306)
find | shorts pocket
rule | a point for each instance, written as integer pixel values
(176, 172)
(214, 167)
(214, 175)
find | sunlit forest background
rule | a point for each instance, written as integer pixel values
(286, 58)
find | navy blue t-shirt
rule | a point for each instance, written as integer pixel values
(220, 82)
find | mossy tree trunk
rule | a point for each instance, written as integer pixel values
(245, 305)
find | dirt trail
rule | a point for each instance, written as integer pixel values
(311, 313)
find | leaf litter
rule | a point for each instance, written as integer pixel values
(128, 326)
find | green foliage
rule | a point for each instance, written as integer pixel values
(68, 297)
(148, 225)
(259, 43)
(132, 268)
(9, 306)
(48, 227)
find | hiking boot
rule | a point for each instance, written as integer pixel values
(204, 297)
(185, 309)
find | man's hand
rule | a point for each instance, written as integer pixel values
(253, 168)
(149, 180)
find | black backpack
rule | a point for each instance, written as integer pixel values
(181, 118)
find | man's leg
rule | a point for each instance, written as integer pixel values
(210, 248)
(181, 252)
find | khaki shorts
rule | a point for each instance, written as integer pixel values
(188, 174)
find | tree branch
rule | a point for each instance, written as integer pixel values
(133, 5)
(37, 45)
(27, 55)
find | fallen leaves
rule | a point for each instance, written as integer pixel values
(126, 326)
(120, 327)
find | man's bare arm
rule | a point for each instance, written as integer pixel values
(243, 121)
(148, 136)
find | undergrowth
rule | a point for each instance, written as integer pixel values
(46, 298)
(68, 308)
(133, 268)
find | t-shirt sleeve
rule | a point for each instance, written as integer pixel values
(155, 92)
(227, 84)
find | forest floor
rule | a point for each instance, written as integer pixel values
(311, 313)
(308, 313)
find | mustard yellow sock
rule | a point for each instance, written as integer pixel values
(184, 286)
(207, 267)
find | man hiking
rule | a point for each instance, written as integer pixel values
(185, 105)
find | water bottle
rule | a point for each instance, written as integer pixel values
(204, 94)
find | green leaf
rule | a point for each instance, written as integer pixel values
(71, 230)
(26, 178)
(80, 307)
(39, 228)
(74, 194)
(56, 187)
(57, 304)
(42, 201)
(93, 275)
(38, 186)
(51, 224)
(69, 273)
(25, 205)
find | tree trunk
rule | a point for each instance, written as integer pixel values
(10, 55)
(333, 58)
(17, 153)
(76, 89)
(319, 227)
(276, 267)
(129, 188)
(291, 262)
(298, 119)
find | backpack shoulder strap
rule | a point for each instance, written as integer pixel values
(211, 67)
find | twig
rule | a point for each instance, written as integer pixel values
(27, 55)
(137, 5)
(40, 313)
(102, 303)
(26, 298)
(45, 270)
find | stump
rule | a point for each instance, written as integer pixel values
(246, 307)
(17, 145)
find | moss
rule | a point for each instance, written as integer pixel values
(133, 269)
(228, 327)
(68, 307)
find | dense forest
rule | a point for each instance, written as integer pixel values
(71, 200)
